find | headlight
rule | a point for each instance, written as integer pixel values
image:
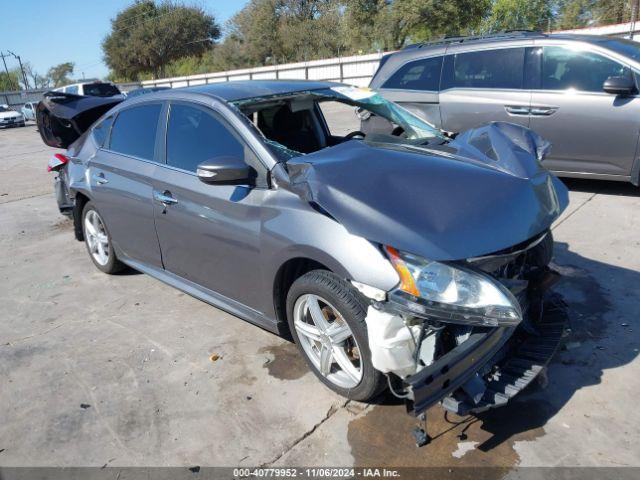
(452, 293)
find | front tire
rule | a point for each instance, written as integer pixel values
(327, 320)
(98, 241)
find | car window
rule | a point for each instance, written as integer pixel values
(134, 131)
(340, 118)
(100, 90)
(423, 74)
(195, 135)
(72, 89)
(565, 69)
(503, 68)
(625, 47)
(101, 131)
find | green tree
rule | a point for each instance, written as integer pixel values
(612, 11)
(146, 37)
(520, 14)
(361, 21)
(574, 14)
(430, 19)
(60, 74)
(11, 81)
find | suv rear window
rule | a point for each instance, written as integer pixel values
(503, 68)
(100, 90)
(134, 131)
(423, 74)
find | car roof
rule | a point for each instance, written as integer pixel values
(245, 89)
(503, 37)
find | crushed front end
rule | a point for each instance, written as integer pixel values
(490, 331)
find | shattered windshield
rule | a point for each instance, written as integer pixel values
(364, 98)
(294, 124)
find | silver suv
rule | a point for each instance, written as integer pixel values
(578, 92)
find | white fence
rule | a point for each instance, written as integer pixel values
(355, 70)
(626, 30)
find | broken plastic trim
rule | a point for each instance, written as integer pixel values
(454, 368)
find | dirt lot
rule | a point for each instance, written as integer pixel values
(117, 370)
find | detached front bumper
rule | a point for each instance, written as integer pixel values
(469, 368)
(454, 369)
(491, 366)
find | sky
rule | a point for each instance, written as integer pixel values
(48, 32)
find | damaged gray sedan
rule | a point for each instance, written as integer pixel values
(396, 258)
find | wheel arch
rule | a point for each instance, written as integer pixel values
(288, 272)
(80, 200)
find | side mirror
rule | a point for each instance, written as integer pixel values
(619, 85)
(226, 170)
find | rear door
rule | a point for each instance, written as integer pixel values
(121, 176)
(483, 86)
(415, 86)
(590, 130)
(209, 234)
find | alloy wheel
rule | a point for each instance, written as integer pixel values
(327, 340)
(97, 238)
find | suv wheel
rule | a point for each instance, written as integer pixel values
(98, 241)
(327, 321)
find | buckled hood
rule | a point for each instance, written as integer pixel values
(483, 192)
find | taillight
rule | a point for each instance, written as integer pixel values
(57, 162)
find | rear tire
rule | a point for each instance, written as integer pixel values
(340, 330)
(98, 241)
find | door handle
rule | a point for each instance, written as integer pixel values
(543, 111)
(517, 109)
(99, 178)
(164, 198)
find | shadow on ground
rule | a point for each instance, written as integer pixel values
(604, 187)
(602, 337)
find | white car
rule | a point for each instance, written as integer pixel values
(10, 118)
(91, 89)
(28, 110)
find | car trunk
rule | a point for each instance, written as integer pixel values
(63, 117)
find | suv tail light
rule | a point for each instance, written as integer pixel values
(57, 162)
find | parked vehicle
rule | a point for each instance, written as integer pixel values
(28, 110)
(10, 118)
(404, 259)
(94, 88)
(578, 92)
(144, 91)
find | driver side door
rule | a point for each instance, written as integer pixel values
(208, 234)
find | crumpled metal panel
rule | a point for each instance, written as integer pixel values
(483, 192)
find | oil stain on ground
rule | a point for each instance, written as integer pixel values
(287, 363)
(382, 437)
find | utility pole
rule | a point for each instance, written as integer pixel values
(7, 70)
(24, 75)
